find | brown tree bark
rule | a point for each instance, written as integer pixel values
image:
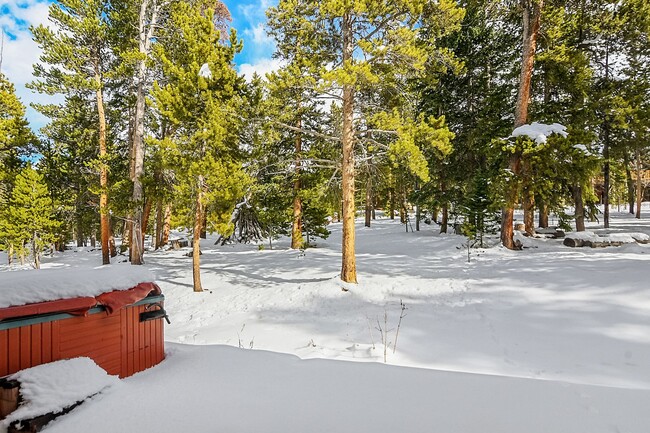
(368, 213)
(111, 242)
(639, 185)
(532, 12)
(145, 217)
(196, 241)
(103, 171)
(159, 223)
(543, 215)
(629, 182)
(444, 219)
(37, 257)
(167, 225)
(528, 202)
(348, 262)
(579, 208)
(296, 225)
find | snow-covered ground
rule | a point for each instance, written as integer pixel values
(549, 339)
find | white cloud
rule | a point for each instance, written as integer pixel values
(21, 52)
(261, 67)
(258, 34)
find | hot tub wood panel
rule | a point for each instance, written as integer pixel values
(119, 343)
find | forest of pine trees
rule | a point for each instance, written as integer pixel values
(406, 106)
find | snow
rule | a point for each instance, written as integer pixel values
(26, 287)
(53, 387)
(614, 237)
(548, 339)
(539, 131)
(205, 71)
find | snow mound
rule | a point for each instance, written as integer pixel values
(26, 287)
(53, 387)
(626, 238)
(585, 236)
(539, 131)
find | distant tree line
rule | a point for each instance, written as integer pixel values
(395, 105)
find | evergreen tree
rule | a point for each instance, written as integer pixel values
(29, 221)
(75, 60)
(199, 99)
(366, 42)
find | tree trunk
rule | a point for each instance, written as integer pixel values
(579, 208)
(639, 185)
(543, 215)
(417, 218)
(111, 242)
(167, 225)
(368, 201)
(196, 241)
(606, 168)
(146, 28)
(348, 265)
(204, 225)
(159, 223)
(37, 258)
(126, 236)
(531, 22)
(444, 220)
(103, 172)
(629, 182)
(80, 232)
(529, 211)
(296, 225)
(10, 255)
(148, 203)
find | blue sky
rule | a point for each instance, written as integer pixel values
(20, 52)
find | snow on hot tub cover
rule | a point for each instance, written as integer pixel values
(73, 290)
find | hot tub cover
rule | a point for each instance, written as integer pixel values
(113, 301)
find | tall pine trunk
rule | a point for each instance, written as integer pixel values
(532, 12)
(196, 241)
(629, 182)
(348, 265)
(148, 203)
(579, 208)
(167, 225)
(368, 213)
(528, 201)
(543, 215)
(639, 185)
(145, 35)
(103, 172)
(296, 225)
(159, 223)
(37, 257)
(606, 145)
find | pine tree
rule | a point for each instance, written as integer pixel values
(75, 60)
(16, 139)
(199, 99)
(365, 42)
(30, 217)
